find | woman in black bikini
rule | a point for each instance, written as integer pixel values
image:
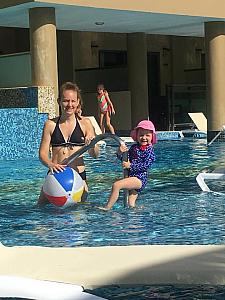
(65, 135)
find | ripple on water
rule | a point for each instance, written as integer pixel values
(171, 210)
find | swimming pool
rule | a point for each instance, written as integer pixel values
(171, 210)
(161, 292)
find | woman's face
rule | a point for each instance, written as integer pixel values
(69, 102)
(144, 136)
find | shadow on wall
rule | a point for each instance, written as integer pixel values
(194, 265)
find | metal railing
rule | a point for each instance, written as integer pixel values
(98, 138)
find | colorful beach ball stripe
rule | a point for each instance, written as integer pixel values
(64, 188)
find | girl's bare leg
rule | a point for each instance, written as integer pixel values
(132, 198)
(130, 183)
(108, 123)
(101, 122)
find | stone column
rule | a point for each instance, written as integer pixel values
(215, 76)
(81, 43)
(138, 76)
(43, 48)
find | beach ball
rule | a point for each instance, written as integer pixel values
(65, 188)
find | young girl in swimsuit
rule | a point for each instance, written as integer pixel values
(105, 109)
(140, 158)
(66, 134)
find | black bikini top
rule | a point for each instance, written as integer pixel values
(76, 138)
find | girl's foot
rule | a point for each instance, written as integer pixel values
(103, 208)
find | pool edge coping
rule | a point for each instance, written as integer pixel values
(93, 267)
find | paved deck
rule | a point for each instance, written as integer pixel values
(98, 266)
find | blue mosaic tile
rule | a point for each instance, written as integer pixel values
(19, 97)
(31, 94)
(20, 132)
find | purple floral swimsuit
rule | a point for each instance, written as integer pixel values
(141, 161)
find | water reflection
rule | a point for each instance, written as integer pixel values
(171, 210)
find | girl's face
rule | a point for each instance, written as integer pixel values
(144, 136)
(69, 102)
(100, 90)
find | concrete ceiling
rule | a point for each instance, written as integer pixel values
(70, 17)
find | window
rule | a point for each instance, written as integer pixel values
(112, 58)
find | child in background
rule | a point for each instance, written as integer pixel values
(106, 109)
(140, 158)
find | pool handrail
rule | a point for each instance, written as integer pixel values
(217, 135)
(98, 138)
(217, 174)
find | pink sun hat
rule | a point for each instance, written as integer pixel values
(145, 124)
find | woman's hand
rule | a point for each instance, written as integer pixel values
(88, 139)
(54, 167)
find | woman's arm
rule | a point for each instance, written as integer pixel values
(44, 153)
(89, 136)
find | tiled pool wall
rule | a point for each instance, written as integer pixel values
(23, 112)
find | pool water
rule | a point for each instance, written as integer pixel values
(171, 210)
(191, 292)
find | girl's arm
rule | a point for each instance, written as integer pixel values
(126, 164)
(109, 101)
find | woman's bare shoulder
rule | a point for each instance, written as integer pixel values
(87, 125)
(51, 122)
(85, 121)
(54, 120)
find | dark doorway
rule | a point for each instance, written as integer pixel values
(158, 108)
